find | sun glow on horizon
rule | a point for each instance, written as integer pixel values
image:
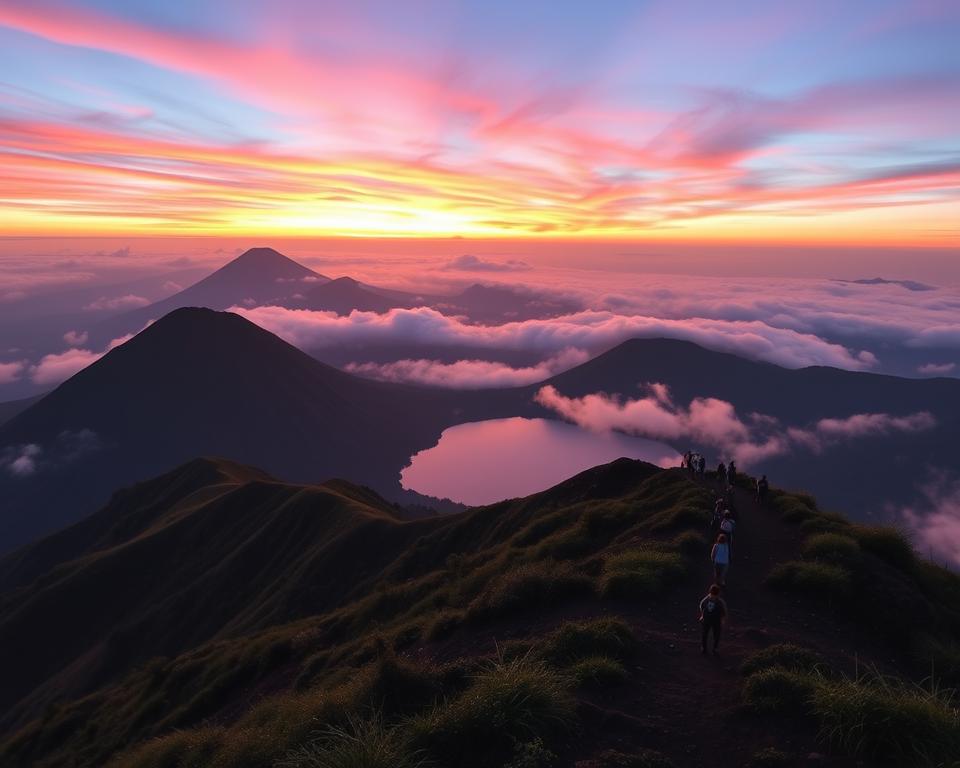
(626, 123)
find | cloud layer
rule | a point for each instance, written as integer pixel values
(713, 422)
(590, 330)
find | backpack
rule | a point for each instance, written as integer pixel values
(712, 608)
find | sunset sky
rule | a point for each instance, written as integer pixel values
(802, 123)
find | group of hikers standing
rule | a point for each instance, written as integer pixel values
(723, 524)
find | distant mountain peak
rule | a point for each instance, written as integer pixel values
(269, 262)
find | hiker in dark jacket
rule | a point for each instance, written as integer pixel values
(731, 472)
(713, 610)
(701, 465)
(763, 487)
(722, 474)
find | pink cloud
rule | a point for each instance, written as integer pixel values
(937, 369)
(21, 461)
(75, 338)
(10, 372)
(129, 301)
(713, 422)
(935, 520)
(591, 330)
(55, 368)
(468, 374)
(863, 424)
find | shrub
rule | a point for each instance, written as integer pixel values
(528, 586)
(832, 547)
(509, 702)
(778, 690)
(640, 571)
(361, 743)
(822, 524)
(643, 758)
(813, 579)
(690, 544)
(888, 721)
(600, 637)
(598, 670)
(784, 655)
(678, 517)
(889, 544)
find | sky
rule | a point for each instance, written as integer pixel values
(810, 124)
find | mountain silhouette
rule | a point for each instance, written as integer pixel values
(199, 382)
(257, 276)
(344, 295)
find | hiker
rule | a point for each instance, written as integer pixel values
(731, 503)
(722, 474)
(713, 610)
(701, 465)
(763, 488)
(720, 556)
(731, 472)
(727, 527)
(719, 506)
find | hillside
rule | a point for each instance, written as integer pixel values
(199, 382)
(560, 624)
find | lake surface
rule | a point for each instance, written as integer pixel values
(485, 461)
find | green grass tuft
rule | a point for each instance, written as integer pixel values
(640, 571)
(832, 547)
(360, 743)
(509, 702)
(778, 690)
(784, 655)
(823, 581)
(528, 586)
(888, 721)
(598, 671)
(889, 544)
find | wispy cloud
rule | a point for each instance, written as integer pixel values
(713, 422)
(468, 374)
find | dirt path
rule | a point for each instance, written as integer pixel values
(678, 701)
(688, 705)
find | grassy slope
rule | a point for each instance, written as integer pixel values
(559, 624)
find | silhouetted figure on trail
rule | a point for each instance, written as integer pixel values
(701, 465)
(732, 473)
(720, 556)
(727, 527)
(731, 502)
(722, 474)
(763, 487)
(713, 610)
(718, 510)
